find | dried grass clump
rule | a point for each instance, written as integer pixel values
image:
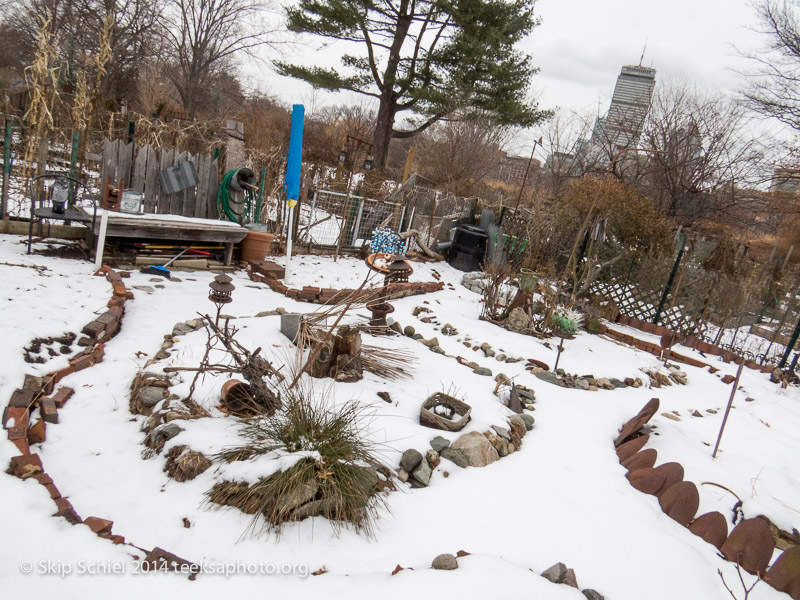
(185, 466)
(335, 480)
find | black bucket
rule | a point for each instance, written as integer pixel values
(468, 248)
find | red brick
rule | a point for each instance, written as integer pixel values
(114, 277)
(53, 490)
(43, 478)
(124, 274)
(33, 383)
(99, 352)
(94, 329)
(61, 373)
(311, 290)
(307, 297)
(25, 466)
(19, 414)
(80, 362)
(128, 295)
(98, 525)
(103, 270)
(21, 398)
(116, 301)
(268, 268)
(117, 539)
(37, 432)
(62, 395)
(22, 444)
(281, 289)
(292, 293)
(49, 411)
(64, 509)
(257, 277)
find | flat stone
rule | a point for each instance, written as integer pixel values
(439, 443)
(498, 443)
(411, 458)
(431, 342)
(423, 472)
(628, 449)
(438, 350)
(556, 573)
(671, 416)
(549, 378)
(445, 562)
(570, 579)
(144, 288)
(681, 501)
(673, 473)
(520, 421)
(483, 371)
(433, 458)
(784, 575)
(592, 595)
(711, 527)
(502, 432)
(455, 456)
(647, 480)
(641, 460)
(526, 394)
(582, 384)
(751, 545)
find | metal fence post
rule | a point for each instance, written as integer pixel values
(73, 167)
(670, 280)
(6, 169)
(790, 345)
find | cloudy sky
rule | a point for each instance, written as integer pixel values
(582, 44)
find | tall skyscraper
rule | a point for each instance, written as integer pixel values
(622, 127)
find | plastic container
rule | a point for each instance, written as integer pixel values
(468, 248)
(256, 246)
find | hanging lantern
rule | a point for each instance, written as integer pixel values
(342, 156)
(368, 164)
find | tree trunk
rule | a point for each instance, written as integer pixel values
(382, 135)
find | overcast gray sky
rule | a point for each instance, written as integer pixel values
(582, 44)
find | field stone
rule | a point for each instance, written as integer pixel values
(439, 443)
(445, 562)
(592, 595)
(784, 575)
(433, 458)
(711, 527)
(409, 331)
(410, 459)
(518, 420)
(570, 579)
(628, 449)
(477, 450)
(751, 545)
(298, 496)
(455, 456)
(150, 396)
(483, 371)
(681, 501)
(528, 420)
(518, 320)
(556, 573)
(647, 480)
(641, 460)
(499, 444)
(502, 432)
(402, 475)
(423, 472)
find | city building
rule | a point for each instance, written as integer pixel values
(630, 103)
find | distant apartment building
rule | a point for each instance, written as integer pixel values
(630, 103)
(511, 169)
(785, 181)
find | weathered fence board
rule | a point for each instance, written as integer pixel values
(167, 156)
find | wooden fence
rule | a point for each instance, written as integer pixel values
(140, 166)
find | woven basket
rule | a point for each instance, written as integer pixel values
(430, 419)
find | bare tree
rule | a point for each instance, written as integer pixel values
(459, 154)
(699, 152)
(774, 81)
(204, 37)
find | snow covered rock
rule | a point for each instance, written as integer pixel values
(477, 450)
(445, 562)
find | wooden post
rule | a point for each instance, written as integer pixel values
(728, 409)
(6, 170)
(73, 168)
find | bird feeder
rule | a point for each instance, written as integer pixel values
(221, 292)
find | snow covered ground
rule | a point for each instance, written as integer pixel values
(562, 497)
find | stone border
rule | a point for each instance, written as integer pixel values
(265, 273)
(41, 393)
(750, 544)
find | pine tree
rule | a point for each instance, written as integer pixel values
(432, 59)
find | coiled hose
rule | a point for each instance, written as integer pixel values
(228, 206)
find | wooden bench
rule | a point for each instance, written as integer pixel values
(173, 227)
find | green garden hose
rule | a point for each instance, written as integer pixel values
(229, 207)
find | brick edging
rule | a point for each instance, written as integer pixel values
(42, 393)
